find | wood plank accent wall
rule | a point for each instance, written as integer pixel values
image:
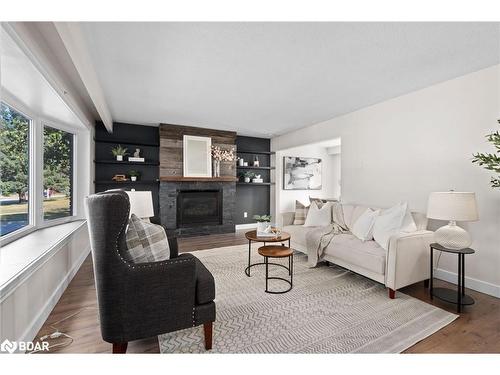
(171, 145)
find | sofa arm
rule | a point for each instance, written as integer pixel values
(287, 218)
(408, 258)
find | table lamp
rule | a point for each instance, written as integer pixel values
(452, 206)
(141, 204)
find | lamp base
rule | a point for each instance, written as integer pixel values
(452, 236)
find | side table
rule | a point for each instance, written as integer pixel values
(457, 297)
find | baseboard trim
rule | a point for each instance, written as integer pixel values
(246, 226)
(471, 283)
(37, 323)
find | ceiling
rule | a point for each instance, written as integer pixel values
(266, 79)
(24, 82)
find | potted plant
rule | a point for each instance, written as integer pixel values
(119, 152)
(134, 175)
(248, 176)
(263, 224)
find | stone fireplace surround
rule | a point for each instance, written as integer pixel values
(172, 180)
(168, 207)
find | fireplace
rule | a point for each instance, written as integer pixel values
(199, 207)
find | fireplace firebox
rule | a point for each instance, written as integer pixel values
(199, 207)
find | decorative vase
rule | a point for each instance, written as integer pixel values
(216, 168)
(247, 179)
(263, 227)
(241, 162)
(119, 157)
(133, 178)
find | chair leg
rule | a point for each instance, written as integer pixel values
(392, 293)
(208, 328)
(120, 348)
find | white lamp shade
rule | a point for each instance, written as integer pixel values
(452, 205)
(141, 203)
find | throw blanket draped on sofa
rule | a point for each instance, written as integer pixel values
(318, 239)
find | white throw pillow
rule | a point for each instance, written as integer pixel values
(363, 227)
(389, 223)
(408, 222)
(319, 217)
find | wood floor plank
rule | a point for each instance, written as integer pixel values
(477, 330)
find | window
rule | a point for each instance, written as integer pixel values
(57, 173)
(14, 170)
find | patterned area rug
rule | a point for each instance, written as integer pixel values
(329, 310)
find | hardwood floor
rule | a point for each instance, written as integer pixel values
(477, 330)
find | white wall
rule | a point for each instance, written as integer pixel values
(406, 147)
(330, 177)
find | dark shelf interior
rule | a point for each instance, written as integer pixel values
(255, 183)
(147, 138)
(253, 198)
(127, 162)
(250, 167)
(143, 182)
(255, 152)
(127, 143)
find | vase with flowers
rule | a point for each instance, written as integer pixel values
(219, 155)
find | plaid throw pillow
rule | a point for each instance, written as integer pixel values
(146, 242)
(300, 213)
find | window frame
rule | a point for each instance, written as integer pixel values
(47, 223)
(35, 180)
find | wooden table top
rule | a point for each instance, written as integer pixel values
(275, 251)
(252, 235)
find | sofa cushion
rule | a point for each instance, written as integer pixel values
(146, 242)
(300, 213)
(363, 226)
(298, 233)
(319, 217)
(367, 254)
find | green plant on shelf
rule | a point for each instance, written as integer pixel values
(119, 152)
(134, 175)
(262, 218)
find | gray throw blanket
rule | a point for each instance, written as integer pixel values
(318, 239)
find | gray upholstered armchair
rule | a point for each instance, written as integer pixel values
(146, 299)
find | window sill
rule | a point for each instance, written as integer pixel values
(20, 257)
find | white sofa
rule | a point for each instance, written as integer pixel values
(405, 262)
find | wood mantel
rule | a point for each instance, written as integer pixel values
(194, 179)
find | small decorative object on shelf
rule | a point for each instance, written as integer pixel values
(264, 227)
(247, 176)
(219, 154)
(245, 164)
(255, 161)
(134, 175)
(119, 152)
(137, 156)
(257, 179)
(241, 162)
(119, 178)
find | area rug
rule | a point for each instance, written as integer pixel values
(329, 310)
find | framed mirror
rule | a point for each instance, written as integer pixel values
(197, 156)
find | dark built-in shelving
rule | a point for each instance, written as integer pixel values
(250, 167)
(255, 152)
(126, 162)
(132, 136)
(253, 198)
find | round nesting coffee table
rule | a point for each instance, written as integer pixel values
(276, 251)
(252, 237)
